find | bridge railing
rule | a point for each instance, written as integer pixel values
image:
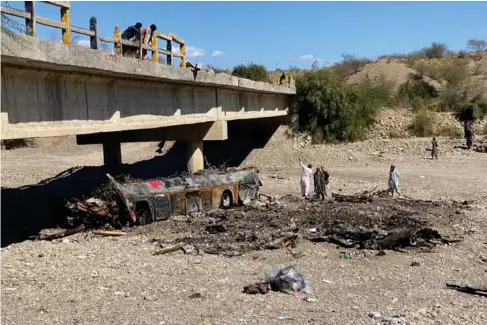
(31, 20)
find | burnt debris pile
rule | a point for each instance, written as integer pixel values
(364, 221)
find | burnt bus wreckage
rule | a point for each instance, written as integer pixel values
(158, 199)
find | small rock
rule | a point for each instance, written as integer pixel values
(94, 274)
(414, 263)
(381, 253)
(309, 299)
(188, 249)
(65, 241)
(195, 295)
(375, 314)
(40, 255)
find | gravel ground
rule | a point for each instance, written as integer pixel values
(88, 280)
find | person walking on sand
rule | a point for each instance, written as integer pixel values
(394, 181)
(434, 149)
(306, 173)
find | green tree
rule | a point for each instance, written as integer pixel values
(255, 72)
(330, 110)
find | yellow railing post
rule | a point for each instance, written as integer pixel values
(66, 21)
(117, 47)
(182, 51)
(155, 52)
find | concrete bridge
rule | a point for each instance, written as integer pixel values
(52, 89)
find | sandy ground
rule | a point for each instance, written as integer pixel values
(87, 280)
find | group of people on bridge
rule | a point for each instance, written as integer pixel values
(135, 33)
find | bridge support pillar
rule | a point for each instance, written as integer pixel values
(112, 156)
(195, 156)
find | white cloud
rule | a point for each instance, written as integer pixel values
(306, 57)
(84, 43)
(217, 53)
(194, 52)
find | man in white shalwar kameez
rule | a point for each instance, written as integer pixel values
(394, 181)
(306, 173)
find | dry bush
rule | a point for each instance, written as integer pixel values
(453, 73)
(396, 134)
(449, 131)
(422, 125)
(17, 143)
(350, 65)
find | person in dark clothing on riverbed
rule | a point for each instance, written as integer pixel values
(320, 183)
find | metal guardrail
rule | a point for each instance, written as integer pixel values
(31, 20)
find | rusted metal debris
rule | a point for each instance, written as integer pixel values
(127, 201)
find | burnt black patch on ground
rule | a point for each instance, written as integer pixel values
(370, 222)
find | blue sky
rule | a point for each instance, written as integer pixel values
(283, 34)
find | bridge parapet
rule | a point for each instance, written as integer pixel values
(32, 19)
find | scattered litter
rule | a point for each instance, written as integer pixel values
(257, 288)
(347, 256)
(309, 299)
(169, 249)
(107, 233)
(327, 281)
(286, 280)
(387, 319)
(285, 318)
(195, 295)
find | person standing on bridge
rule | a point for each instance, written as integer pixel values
(132, 33)
(306, 173)
(147, 35)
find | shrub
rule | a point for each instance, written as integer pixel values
(422, 125)
(435, 51)
(330, 110)
(453, 73)
(414, 91)
(471, 111)
(450, 131)
(451, 97)
(251, 71)
(17, 143)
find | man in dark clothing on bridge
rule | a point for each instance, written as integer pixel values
(132, 33)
